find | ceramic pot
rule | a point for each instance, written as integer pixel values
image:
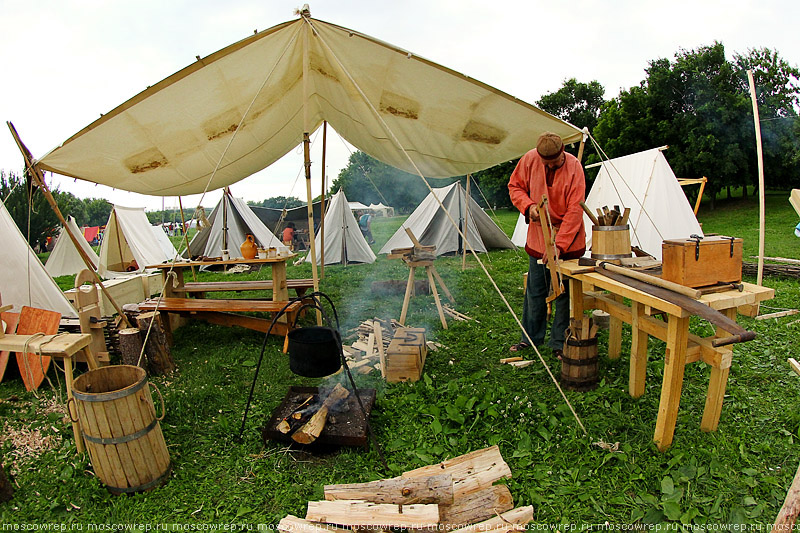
(249, 248)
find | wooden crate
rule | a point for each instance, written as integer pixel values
(715, 259)
(131, 289)
(406, 355)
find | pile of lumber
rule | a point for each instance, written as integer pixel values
(516, 361)
(368, 352)
(414, 253)
(456, 494)
(452, 313)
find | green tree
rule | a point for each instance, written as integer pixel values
(69, 204)
(29, 208)
(279, 202)
(97, 211)
(576, 102)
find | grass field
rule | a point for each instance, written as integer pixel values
(465, 401)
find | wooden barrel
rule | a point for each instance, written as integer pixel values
(122, 433)
(579, 364)
(611, 242)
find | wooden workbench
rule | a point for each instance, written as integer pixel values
(590, 290)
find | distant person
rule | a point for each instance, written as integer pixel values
(288, 235)
(365, 225)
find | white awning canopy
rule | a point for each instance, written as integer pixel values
(240, 109)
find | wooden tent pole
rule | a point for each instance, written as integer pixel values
(185, 231)
(119, 241)
(307, 156)
(225, 193)
(761, 205)
(583, 144)
(322, 205)
(38, 177)
(466, 218)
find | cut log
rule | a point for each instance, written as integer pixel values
(159, 357)
(6, 489)
(292, 524)
(313, 428)
(471, 472)
(130, 347)
(301, 414)
(480, 505)
(514, 520)
(402, 491)
(787, 517)
(361, 513)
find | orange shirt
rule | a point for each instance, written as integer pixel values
(288, 234)
(526, 187)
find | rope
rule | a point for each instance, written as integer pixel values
(364, 170)
(419, 173)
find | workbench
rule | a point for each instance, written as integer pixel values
(625, 304)
(62, 346)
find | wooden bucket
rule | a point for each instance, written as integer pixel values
(611, 242)
(579, 364)
(119, 424)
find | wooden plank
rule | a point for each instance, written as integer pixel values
(513, 520)
(717, 383)
(790, 510)
(638, 364)
(471, 472)
(436, 296)
(178, 305)
(10, 319)
(794, 365)
(402, 491)
(363, 513)
(33, 367)
(239, 286)
(779, 314)
(672, 384)
(293, 524)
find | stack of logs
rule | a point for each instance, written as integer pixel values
(608, 217)
(413, 254)
(308, 420)
(456, 494)
(157, 354)
(374, 336)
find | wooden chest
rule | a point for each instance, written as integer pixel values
(405, 355)
(697, 263)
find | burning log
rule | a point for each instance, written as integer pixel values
(298, 417)
(309, 432)
(402, 491)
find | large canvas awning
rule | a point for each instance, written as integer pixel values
(240, 109)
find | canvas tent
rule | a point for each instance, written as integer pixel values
(644, 182)
(344, 242)
(129, 237)
(431, 226)
(380, 210)
(240, 221)
(90, 233)
(65, 259)
(24, 280)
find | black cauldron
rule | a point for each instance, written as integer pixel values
(315, 351)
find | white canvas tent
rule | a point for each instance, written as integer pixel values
(644, 182)
(431, 226)
(241, 220)
(356, 206)
(65, 259)
(381, 210)
(520, 235)
(344, 242)
(129, 237)
(23, 278)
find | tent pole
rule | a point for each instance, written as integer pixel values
(466, 217)
(185, 231)
(761, 206)
(307, 164)
(38, 177)
(322, 205)
(583, 143)
(225, 193)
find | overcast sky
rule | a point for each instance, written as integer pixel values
(65, 62)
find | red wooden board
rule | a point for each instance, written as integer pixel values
(11, 320)
(32, 367)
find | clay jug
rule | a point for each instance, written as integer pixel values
(249, 248)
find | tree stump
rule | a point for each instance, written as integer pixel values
(6, 490)
(159, 357)
(130, 346)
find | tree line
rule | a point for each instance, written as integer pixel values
(697, 103)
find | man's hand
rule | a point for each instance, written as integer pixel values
(533, 213)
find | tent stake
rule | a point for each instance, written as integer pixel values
(38, 177)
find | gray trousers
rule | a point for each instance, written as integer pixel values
(534, 308)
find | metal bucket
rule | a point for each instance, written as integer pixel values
(314, 351)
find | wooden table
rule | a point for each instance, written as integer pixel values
(590, 290)
(62, 346)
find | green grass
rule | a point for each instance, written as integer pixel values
(465, 401)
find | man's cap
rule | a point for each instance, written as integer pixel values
(549, 145)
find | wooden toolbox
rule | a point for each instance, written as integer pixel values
(699, 262)
(406, 354)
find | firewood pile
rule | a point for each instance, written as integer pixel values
(612, 217)
(581, 329)
(413, 254)
(308, 420)
(368, 352)
(456, 494)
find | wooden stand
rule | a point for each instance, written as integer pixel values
(87, 302)
(430, 270)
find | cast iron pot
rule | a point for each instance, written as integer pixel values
(314, 351)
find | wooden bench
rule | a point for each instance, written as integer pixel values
(198, 289)
(224, 311)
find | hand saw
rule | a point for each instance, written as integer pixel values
(551, 252)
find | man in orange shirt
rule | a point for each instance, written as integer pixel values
(548, 170)
(288, 235)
